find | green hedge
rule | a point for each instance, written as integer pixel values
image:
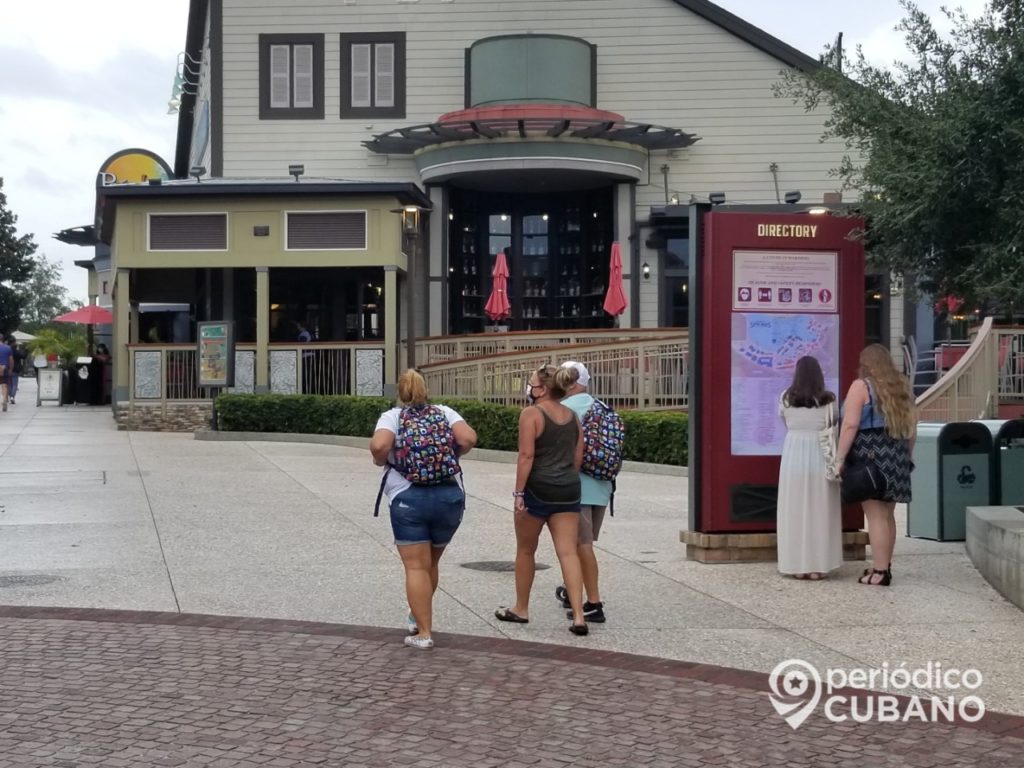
(656, 437)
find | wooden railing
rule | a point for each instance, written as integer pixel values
(168, 372)
(970, 389)
(438, 349)
(645, 374)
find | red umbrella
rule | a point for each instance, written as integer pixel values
(615, 300)
(497, 306)
(92, 314)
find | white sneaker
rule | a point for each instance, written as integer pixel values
(423, 643)
(410, 624)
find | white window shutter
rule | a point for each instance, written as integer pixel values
(303, 76)
(361, 75)
(280, 91)
(384, 92)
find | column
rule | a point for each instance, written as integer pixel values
(390, 329)
(435, 305)
(122, 337)
(262, 379)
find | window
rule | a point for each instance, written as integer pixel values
(291, 77)
(326, 231)
(188, 232)
(373, 75)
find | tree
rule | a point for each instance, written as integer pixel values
(45, 296)
(936, 150)
(16, 266)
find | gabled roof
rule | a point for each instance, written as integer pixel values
(746, 31)
(730, 22)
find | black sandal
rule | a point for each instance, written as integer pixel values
(870, 573)
(579, 629)
(504, 614)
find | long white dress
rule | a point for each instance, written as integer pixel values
(810, 534)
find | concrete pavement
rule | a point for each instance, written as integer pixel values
(96, 518)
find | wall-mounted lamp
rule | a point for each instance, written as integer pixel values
(451, 215)
(674, 200)
(793, 197)
(197, 171)
(646, 269)
(296, 171)
(410, 217)
(716, 198)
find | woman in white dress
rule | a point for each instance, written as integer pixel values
(808, 520)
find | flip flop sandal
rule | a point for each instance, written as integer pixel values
(579, 629)
(504, 614)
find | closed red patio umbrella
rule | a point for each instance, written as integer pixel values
(497, 306)
(615, 299)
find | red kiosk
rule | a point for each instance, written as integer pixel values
(768, 287)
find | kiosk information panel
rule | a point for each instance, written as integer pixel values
(772, 288)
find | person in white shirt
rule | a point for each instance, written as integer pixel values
(424, 518)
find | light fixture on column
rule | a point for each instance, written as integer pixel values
(197, 171)
(793, 197)
(296, 171)
(411, 235)
(646, 269)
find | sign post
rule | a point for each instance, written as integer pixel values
(216, 356)
(769, 288)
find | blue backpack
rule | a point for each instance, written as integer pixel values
(425, 449)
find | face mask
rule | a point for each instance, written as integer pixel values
(529, 393)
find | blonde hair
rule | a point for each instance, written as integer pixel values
(892, 390)
(412, 388)
(557, 380)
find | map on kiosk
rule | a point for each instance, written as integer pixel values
(765, 348)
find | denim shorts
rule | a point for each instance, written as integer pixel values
(427, 514)
(545, 509)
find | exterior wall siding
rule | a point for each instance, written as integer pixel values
(656, 62)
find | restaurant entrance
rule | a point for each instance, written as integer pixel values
(557, 248)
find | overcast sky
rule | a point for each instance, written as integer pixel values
(83, 80)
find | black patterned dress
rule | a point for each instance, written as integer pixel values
(891, 455)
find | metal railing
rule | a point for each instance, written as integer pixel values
(440, 349)
(647, 374)
(168, 372)
(970, 389)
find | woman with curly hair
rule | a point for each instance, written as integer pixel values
(879, 422)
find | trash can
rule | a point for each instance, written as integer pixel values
(81, 386)
(1007, 461)
(953, 471)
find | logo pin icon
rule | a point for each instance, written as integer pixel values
(790, 683)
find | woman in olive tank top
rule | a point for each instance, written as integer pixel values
(547, 491)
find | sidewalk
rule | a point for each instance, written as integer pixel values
(96, 518)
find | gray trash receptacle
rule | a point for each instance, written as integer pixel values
(1007, 461)
(953, 471)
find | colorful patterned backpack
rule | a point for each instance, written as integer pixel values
(425, 446)
(603, 434)
(424, 450)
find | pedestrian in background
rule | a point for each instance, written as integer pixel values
(17, 367)
(880, 425)
(547, 491)
(6, 358)
(809, 514)
(418, 445)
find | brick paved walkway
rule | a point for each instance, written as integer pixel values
(122, 689)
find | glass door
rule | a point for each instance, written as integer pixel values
(536, 269)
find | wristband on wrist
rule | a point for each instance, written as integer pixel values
(518, 494)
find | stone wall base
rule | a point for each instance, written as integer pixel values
(754, 547)
(163, 417)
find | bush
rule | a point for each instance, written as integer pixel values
(658, 437)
